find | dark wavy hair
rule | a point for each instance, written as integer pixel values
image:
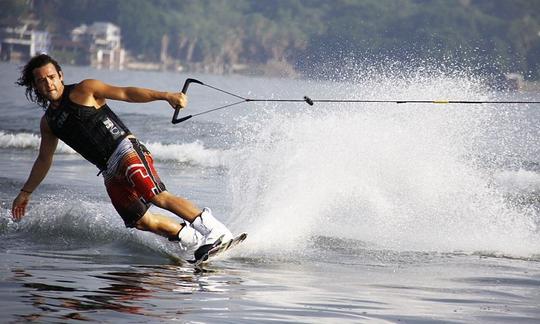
(27, 78)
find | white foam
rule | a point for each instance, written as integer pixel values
(520, 181)
(396, 176)
(28, 141)
(193, 153)
(84, 223)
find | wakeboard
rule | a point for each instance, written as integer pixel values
(205, 254)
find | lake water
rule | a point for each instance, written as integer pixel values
(410, 213)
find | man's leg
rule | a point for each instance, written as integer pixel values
(158, 224)
(202, 221)
(141, 175)
(165, 226)
(177, 205)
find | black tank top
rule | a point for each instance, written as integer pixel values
(93, 133)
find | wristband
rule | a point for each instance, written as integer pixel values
(28, 192)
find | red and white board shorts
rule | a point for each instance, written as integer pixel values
(131, 180)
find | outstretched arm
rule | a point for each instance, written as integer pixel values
(94, 93)
(39, 170)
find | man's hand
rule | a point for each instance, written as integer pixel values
(177, 99)
(18, 209)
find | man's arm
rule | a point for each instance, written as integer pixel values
(40, 169)
(94, 93)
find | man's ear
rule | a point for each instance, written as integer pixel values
(61, 74)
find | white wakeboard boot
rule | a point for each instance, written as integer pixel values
(188, 238)
(213, 232)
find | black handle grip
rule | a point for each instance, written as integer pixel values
(175, 119)
(179, 120)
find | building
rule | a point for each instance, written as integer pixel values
(103, 41)
(22, 42)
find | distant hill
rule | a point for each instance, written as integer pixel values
(312, 36)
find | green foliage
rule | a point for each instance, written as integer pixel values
(492, 35)
(142, 26)
(12, 8)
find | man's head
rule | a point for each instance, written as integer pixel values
(42, 76)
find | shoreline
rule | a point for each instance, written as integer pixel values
(273, 69)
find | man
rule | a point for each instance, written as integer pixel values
(78, 115)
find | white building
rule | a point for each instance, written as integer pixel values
(104, 42)
(21, 43)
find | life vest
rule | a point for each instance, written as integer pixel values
(93, 133)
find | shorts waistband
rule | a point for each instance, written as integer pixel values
(125, 146)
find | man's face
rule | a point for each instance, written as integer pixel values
(48, 82)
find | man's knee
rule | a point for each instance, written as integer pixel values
(145, 222)
(161, 200)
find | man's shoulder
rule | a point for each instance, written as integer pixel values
(86, 84)
(83, 93)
